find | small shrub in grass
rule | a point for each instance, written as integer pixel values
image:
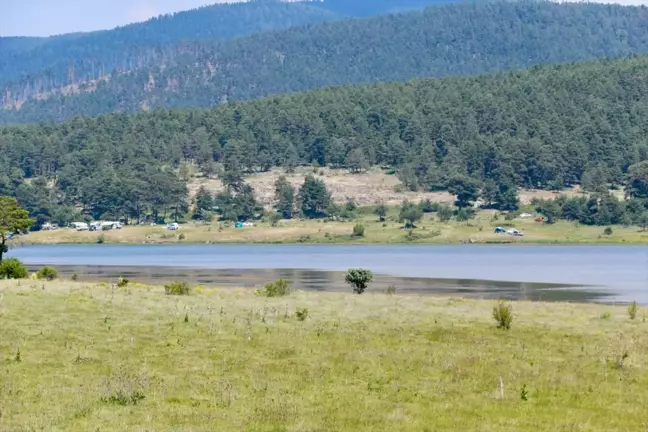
(606, 315)
(607, 231)
(123, 398)
(358, 230)
(182, 237)
(123, 388)
(101, 239)
(122, 282)
(359, 279)
(301, 314)
(632, 310)
(11, 268)
(503, 314)
(278, 288)
(47, 273)
(391, 289)
(75, 277)
(177, 288)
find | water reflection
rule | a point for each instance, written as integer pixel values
(316, 280)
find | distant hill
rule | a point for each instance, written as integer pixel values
(460, 39)
(31, 66)
(56, 60)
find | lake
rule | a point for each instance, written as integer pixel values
(577, 273)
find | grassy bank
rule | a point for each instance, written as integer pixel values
(81, 357)
(429, 230)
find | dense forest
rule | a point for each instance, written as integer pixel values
(461, 39)
(546, 127)
(33, 66)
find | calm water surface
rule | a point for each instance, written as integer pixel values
(581, 273)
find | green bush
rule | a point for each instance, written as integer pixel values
(301, 313)
(358, 230)
(47, 273)
(122, 282)
(177, 288)
(278, 288)
(607, 231)
(11, 268)
(444, 213)
(391, 289)
(359, 279)
(101, 239)
(632, 310)
(182, 237)
(503, 314)
(123, 398)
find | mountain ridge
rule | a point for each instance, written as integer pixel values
(463, 39)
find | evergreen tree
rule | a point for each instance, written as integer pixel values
(314, 197)
(285, 198)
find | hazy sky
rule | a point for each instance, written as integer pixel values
(47, 17)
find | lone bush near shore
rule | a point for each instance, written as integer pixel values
(632, 310)
(177, 288)
(358, 230)
(278, 288)
(503, 314)
(47, 273)
(12, 268)
(359, 279)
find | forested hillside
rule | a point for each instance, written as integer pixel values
(547, 127)
(359, 8)
(462, 39)
(34, 65)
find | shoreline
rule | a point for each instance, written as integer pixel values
(479, 231)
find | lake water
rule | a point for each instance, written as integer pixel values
(579, 273)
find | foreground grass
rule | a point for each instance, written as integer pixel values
(94, 357)
(429, 231)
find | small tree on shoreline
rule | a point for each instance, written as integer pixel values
(13, 219)
(359, 279)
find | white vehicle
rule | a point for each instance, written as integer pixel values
(110, 225)
(173, 226)
(515, 233)
(79, 226)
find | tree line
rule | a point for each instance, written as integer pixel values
(548, 127)
(460, 39)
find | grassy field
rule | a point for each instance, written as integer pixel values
(81, 357)
(429, 230)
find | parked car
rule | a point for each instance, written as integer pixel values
(79, 226)
(499, 230)
(515, 233)
(173, 226)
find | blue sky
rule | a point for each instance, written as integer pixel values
(47, 17)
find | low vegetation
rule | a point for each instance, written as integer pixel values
(177, 288)
(11, 268)
(278, 288)
(78, 357)
(503, 315)
(47, 273)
